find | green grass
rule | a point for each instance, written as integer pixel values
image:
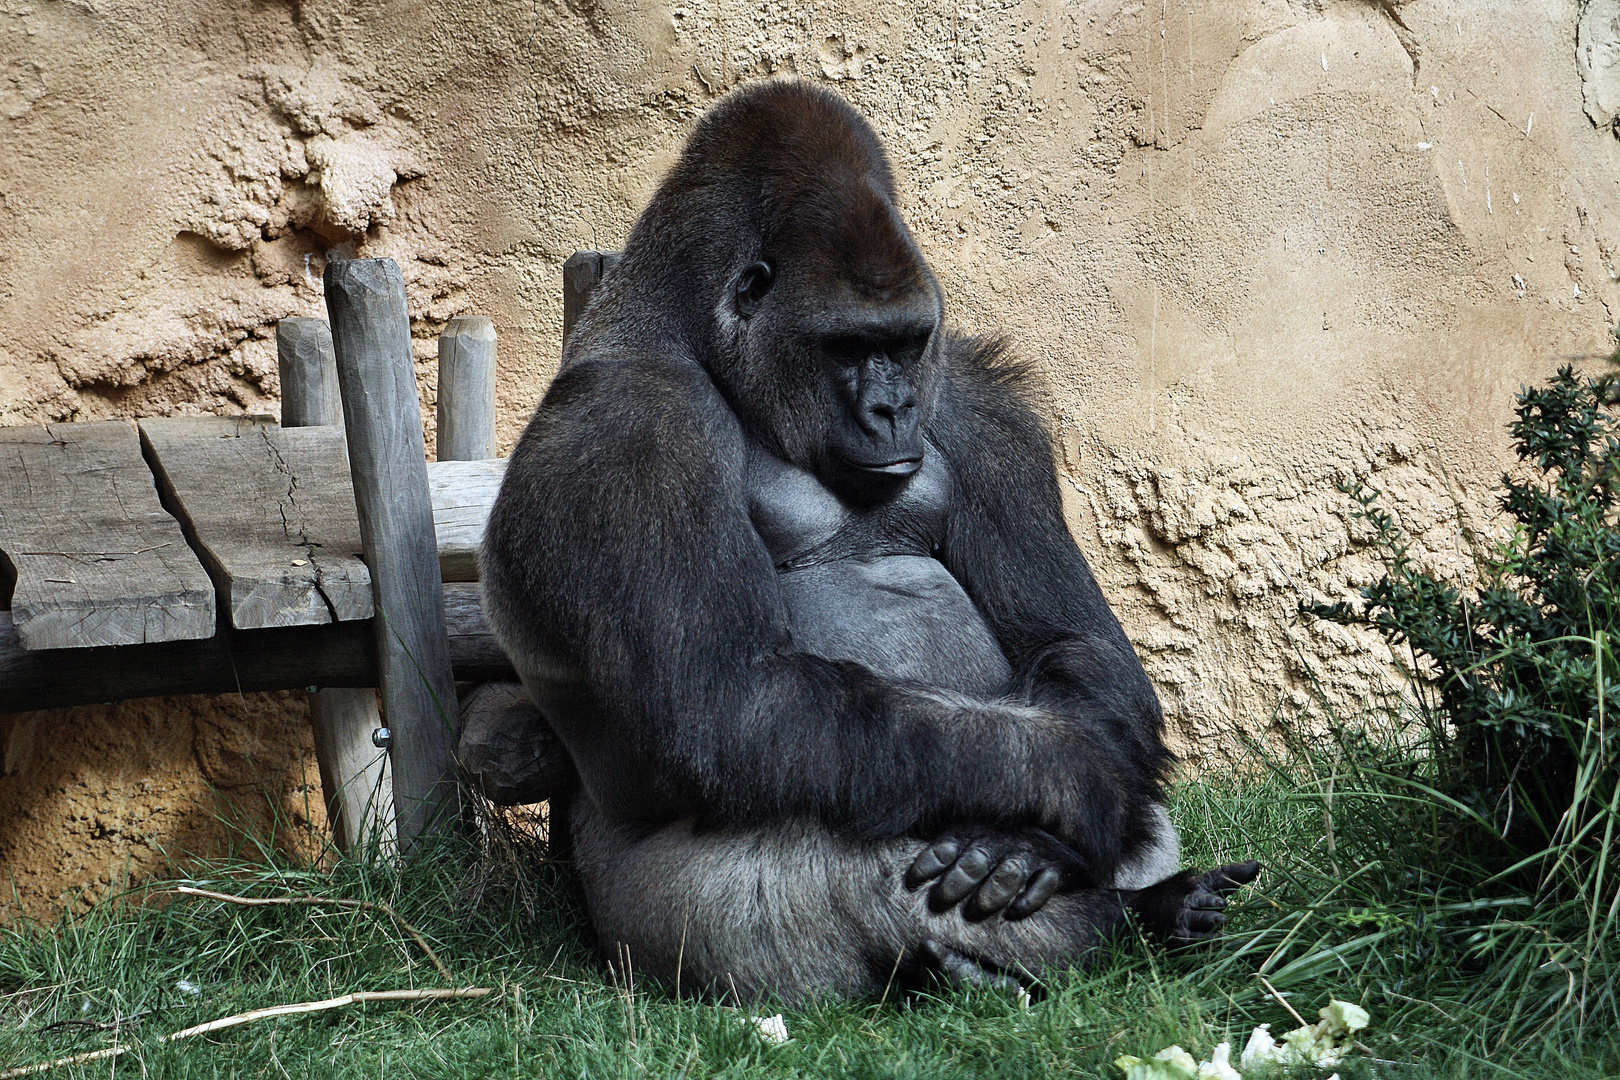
(1377, 918)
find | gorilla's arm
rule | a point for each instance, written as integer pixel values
(1008, 545)
(621, 547)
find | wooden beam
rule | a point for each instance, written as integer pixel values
(371, 333)
(466, 410)
(582, 273)
(356, 781)
(270, 510)
(463, 492)
(94, 557)
(286, 658)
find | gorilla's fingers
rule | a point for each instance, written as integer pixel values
(998, 890)
(1203, 899)
(972, 866)
(962, 970)
(1226, 879)
(1035, 894)
(934, 861)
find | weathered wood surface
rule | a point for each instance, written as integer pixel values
(371, 333)
(466, 408)
(271, 511)
(309, 382)
(509, 752)
(582, 273)
(463, 493)
(356, 781)
(96, 559)
(338, 654)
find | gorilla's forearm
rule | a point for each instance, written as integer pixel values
(833, 742)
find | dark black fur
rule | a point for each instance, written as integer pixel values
(624, 571)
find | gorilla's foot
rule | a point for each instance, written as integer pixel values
(1186, 907)
(949, 966)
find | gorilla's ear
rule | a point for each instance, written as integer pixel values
(752, 285)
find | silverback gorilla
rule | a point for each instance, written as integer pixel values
(781, 560)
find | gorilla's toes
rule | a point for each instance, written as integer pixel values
(1188, 907)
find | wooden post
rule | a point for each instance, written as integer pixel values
(467, 390)
(582, 273)
(309, 382)
(371, 334)
(355, 776)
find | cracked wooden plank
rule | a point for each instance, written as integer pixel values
(92, 557)
(271, 512)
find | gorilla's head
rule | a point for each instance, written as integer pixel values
(821, 309)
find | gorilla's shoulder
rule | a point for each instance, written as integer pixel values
(988, 393)
(642, 415)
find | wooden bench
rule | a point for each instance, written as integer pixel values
(228, 554)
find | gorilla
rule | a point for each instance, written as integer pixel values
(781, 559)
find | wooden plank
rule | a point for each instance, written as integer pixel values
(582, 273)
(462, 493)
(96, 559)
(270, 510)
(355, 778)
(382, 417)
(466, 409)
(286, 658)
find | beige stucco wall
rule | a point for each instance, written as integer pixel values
(1256, 247)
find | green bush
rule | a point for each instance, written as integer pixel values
(1517, 677)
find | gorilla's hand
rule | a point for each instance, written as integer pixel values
(1015, 873)
(1186, 907)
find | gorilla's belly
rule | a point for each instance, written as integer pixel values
(903, 616)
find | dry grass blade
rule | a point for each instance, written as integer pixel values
(250, 1016)
(324, 901)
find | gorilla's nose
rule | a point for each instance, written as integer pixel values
(888, 407)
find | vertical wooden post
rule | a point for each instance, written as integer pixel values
(467, 390)
(309, 382)
(582, 273)
(355, 777)
(371, 334)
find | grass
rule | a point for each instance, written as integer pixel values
(1458, 985)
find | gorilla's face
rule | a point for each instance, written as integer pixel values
(837, 375)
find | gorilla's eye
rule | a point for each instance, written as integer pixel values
(752, 285)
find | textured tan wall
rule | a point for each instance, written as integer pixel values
(1257, 247)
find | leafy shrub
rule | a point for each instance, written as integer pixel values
(1518, 675)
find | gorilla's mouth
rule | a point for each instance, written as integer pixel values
(902, 467)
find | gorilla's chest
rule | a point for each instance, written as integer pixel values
(863, 583)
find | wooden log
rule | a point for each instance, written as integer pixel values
(309, 382)
(509, 752)
(93, 556)
(270, 510)
(285, 658)
(466, 410)
(371, 332)
(356, 780)
(582, 273)
(463, 492)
